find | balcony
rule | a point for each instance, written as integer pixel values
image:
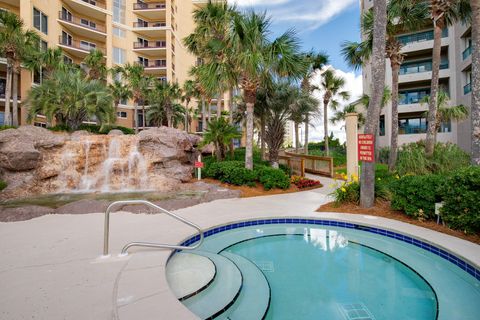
(412, 96)
(78, 48)
(154, 66)
(150, 29)
(467, 53)
(96, 9)
(420, 37)
(150, 10)
(150, 47)
(467, 88)
(82, 26)
(419, 67)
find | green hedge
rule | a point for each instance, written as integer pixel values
(417, 195)
(273, 178)
(5, 127)
(461, 196)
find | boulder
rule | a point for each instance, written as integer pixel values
(165, 144)
(115, 132)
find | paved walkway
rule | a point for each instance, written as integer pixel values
(50, 267)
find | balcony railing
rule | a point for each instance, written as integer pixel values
(153, 64)
(96, 3)
(467, 52)
(82, 22)
(420, 37)
(149, 6)
(418, 67)
(75, 44)
(150, 45)
(145, 24)
(467, 88)
(411, 97)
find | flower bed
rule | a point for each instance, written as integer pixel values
(303, 183)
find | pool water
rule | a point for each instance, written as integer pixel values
(309, 271)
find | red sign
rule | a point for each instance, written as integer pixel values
(366, 148)
(198, 164)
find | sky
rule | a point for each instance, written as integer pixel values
(321, 25)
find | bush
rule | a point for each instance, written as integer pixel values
(349, 192)
(446, 158)
(5, 127)
(93, 128)
(417, 195)
(232, 172)
(3, 185)
(383, 155)
(239, 155)
(273, 178)
(461, 196)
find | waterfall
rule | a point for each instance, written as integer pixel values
(86, 182)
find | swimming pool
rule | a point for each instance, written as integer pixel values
(317, 269)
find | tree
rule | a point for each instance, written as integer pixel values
(120, 92)
(171, 94)
(220, 132)
(95, 65)
(303, 106)
(443, 14)
(340, 115)
(367, 179)
(445, 112)
(315, 62)
(332, 86)
(475, 109)
(45, 61)
(71, 98)
(189, 91)
(402, 16)
(16, 44)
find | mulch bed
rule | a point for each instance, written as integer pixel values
(383, 209)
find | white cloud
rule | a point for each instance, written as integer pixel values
(353, 84)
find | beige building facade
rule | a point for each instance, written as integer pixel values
(126, 31)
(415, 79)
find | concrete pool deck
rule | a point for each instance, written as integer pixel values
(51, 268)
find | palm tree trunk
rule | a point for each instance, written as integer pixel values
(249, 144)
(230, 119)
(475, 110)
(219, 105)
(204, 119)
(325, 126)
(392, 159)
(297, 137)
(307, 124)
(367, 179)
(186, 117)
(262, 136)
(135, 116)
(143, 117)
(209, 107)
(15, 99)
(432, 106)
(8, 93)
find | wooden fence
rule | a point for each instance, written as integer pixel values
(313, 164)
(296, 164)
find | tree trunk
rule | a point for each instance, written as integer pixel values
(218, 151)
(204, 119)
(262, 136)
(297, 137)
(230, 118)
(135, 116)
(432, 106)
(392, 159)
(475, 110)
(367, 179)
(15, 99)
(143, 117)
(307, 124)
(219, 105)
(249, 144)
(8, 95)
(186, 117)
(325, 126)
(209, 106)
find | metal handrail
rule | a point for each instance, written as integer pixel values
(147, 244)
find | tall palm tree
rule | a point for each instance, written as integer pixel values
(332, 86)
(189, 91)
(475, 109)
(46, 61)
(16, 45)
(171, 93)
(304, 105)
(445, 112)
(367, 179)
(254, 55)
(95, 64)
(443, 13)
(315, 62)
(119, 91)
(402, 16)
(340, 115)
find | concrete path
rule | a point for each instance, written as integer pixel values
(50, 267)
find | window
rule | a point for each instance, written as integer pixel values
(85, 45)
(118, 56)
(119, 11)
(38, 76)
(143, 42)
(40, 124)
(124, 102)
(66, 15)
(117, 32)
(40, 20)
(43, 45)
(66, 39)
(381, 126)
(411, 124)
(2, 118)
(143, 61)
(67, 60)
(122, 114)
(88, 23)
(3, 86)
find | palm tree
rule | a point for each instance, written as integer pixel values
(315, 62)
(171, 94)
(16, 45)
(95, 64)
(220, 132)
(304, 105)
(46, 61)
(445, 113)
(189, 91)
(402, 16)
(475, 113)
(367, 182)
(340, 115)
(254, 55)
(332, 86)
(120, 92)
(443, 13)
(71, 98)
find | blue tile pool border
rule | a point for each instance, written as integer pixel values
(462, 264)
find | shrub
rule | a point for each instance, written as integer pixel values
(3, 185)
(273, 178)
(461, 196)
(417, 195)
(383, 155)
(5, 127)
(349, 192)
(232, 172)
(93, 128)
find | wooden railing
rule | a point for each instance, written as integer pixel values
(315, 164)
(296, 164)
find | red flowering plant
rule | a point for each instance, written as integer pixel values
(302, 182)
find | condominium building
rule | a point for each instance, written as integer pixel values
(415, 79)
(148, 32)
